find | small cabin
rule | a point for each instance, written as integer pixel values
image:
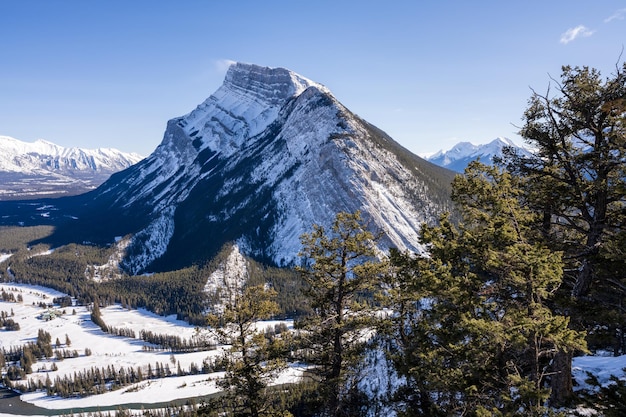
(48, 315)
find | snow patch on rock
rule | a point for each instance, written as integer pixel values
(150, 243)
(229, 277)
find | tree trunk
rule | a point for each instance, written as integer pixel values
(583, 280)
(561, 380)
(594, 237)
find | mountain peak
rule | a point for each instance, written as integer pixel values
(55, 169)
(272, 85)
(244, 106)
(258, 163)
(461, 154)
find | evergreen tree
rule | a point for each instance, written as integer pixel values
(341, 273)
(250, 362)
(577, 182)
(27, 360)
(473, 332)
(579, 169)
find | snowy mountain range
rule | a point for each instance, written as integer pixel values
(260, 161)
(42, 168)
(461, 154)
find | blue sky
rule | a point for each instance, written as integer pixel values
(429, 73)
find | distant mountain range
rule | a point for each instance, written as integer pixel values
(461, 154)
(44, 169)
(260, 161)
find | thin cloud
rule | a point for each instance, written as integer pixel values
(574, 33)
(618, 15)
(223, 64)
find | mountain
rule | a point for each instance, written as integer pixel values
(260, 161)
(463, 153)
(41, 168)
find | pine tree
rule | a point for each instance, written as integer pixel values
(473, 328)
(27, 360)
(577, 182)
(342, 272)
(250, 363)
(579, 168)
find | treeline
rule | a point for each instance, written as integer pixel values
(20, 360)
(176, 344)
(15, 239)
(62, 270)
(172, 343)
(288, 285)
(177, 292)
(96, 380)
(9, 297)
(6, 321)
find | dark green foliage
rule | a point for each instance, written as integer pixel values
(253, 360)
(340, 269)
(177, 292)
(472, 331)
(174, 343)
(577, 182)
(14, 239)
(288, 285)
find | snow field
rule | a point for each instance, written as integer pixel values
(112, 350)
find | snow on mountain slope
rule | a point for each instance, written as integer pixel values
(461, 154)
(265, 157)
(43, 156)
(43, 168)
(229, 277)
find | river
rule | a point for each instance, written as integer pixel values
(10, 403)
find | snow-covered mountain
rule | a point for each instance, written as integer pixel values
(461, 154)
(265, 157)
(42, 168)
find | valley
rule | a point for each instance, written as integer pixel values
(107, 350)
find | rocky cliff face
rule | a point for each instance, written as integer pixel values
(265, 157)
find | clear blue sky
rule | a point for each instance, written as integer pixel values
(429, 73)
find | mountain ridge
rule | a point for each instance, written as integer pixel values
(461, 154)
(33, 169)
(260, 161)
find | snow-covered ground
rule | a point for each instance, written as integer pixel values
(602, 367)
(128, 352)
(107, 350)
